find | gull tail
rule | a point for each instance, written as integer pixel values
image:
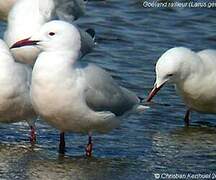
(92, 33)
(141, 99)
(141, 107)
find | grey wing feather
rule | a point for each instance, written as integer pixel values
(87, 43)
(104, 94)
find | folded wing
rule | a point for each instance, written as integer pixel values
(103, 93)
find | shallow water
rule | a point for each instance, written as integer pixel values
(130, 40)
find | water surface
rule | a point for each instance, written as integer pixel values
(130, 40)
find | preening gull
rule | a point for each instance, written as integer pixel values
(71, 96)
(193, 75)
(27, 16)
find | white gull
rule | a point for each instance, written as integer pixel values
(27, 16)
(193, 75)
(71, 96)
(15, 79)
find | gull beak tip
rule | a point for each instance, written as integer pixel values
(153, 92)
(24, 42)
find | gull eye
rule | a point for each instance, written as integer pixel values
(51, 33)
(169, 75)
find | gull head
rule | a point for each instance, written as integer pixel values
(54, 36)
(172, 67)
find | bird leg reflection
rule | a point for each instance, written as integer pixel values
(187, 117)
(62, 143)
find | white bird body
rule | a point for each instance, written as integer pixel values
(61, 89)
(5, 7)
(198, 90)
(15, 79)
(193, 75)
(72, 96)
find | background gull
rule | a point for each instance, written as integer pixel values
(193, 74)
(15, 79)
(27, 16)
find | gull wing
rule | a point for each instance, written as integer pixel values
(104, 94)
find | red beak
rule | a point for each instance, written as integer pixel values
(153, 92)
(24, 42)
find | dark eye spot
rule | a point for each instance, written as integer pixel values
(169, 75)
(51, 33)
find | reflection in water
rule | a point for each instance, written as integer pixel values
(184, 147)
(22, 162)
(130, 40)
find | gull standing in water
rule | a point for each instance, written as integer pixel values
(15, 102)
(193, 74)
(71, 96)
(27, 16)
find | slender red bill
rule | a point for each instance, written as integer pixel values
(153, 92)
(24, 42)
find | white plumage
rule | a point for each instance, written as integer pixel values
(27, 16)
(72, 96)
(192, 73)
(15, 79)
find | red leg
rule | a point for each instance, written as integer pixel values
(89, 147)
(187, 117)
(32, 135)
(62, 143)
